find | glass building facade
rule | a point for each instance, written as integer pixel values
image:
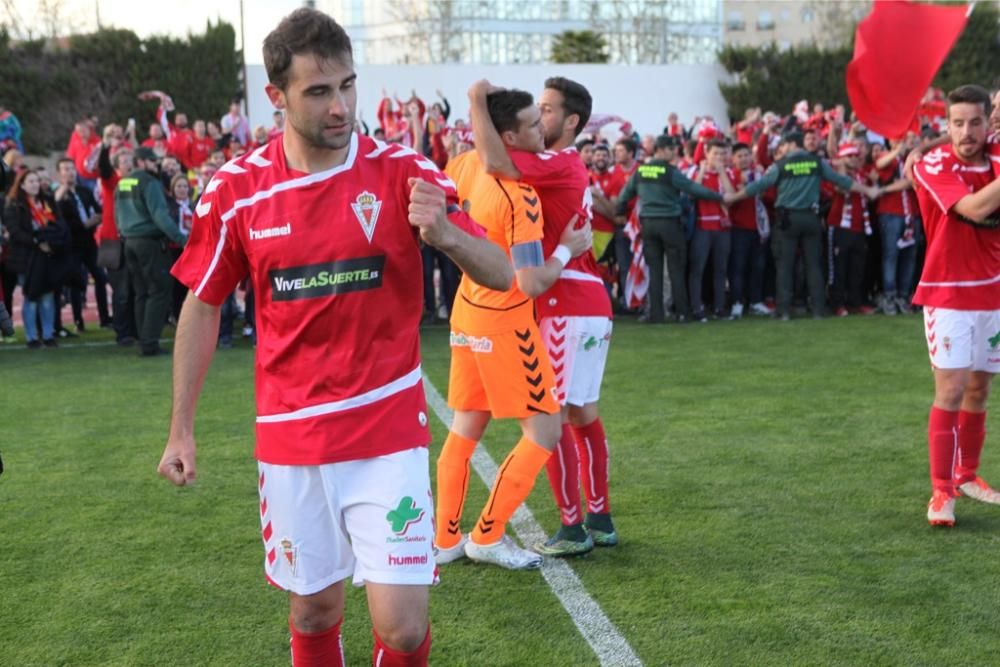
(501, 32)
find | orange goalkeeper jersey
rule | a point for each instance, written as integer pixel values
(511, 213)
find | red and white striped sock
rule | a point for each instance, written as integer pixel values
(971, 436)
(942, 436)
(383, 656)
(563, 469)
(317, 649)
(592, 444)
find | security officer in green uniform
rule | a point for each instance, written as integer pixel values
(659, 185)
(145, 226)
(798, 175)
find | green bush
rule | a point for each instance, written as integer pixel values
(50, 87)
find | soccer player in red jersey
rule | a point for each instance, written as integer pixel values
(574, 314)
(327, 224)
(959, 289)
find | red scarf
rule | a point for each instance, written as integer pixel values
(41, 213)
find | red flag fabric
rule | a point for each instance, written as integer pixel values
(898, 48)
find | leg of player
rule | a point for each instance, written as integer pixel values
(515, 479)
(453, 482)
(942, 428)
(563, 472)
(592, 445)
(971, 436)
(314, 621)
(400, 624)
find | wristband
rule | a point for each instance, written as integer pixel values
(562, 253)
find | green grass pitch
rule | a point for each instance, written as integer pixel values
(769, 484)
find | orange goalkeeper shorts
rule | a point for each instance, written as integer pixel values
(507, 374)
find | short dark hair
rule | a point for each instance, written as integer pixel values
(794, 137)
(740, 147)
(971, 94)
(576, 99)
(504, 105)
(665, 141)
(583, 143)
(629, 145)
(61, 160)
(717, 143)
(304, 31)
(602, 147)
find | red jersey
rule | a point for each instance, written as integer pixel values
(746, 131)
(335, 267)
(894, 203)
(962, 265)
(563, 185)
(108, 229)
(852, 217)
(610, 183)
(79, 150)
(711, 216)
(743, 214)
(199, 150)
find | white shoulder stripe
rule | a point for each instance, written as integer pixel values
(295, 182)
(204, 207)
(232, 168)
(257, 157)
(212, 186)
(446, 182)
(380, 147)
(215, 260)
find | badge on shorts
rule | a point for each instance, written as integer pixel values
(366, 208)
(290, 552)
(405, 515)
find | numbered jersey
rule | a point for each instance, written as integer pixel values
(962, 265)
(335, 267)
(562, 182)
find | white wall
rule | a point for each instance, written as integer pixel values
(643, 94)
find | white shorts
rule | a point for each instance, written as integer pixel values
(963, 338)
(370, 518)
(578, 349)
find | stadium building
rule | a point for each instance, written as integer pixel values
(508, 32)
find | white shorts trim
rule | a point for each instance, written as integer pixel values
(370, 518)
(578, 350)
(963, 338)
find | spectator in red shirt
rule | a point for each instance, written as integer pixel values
(201, 146)
(711, 233)
(750, 234)
(898, 220)
(82, 143)
(157, 140)
(279, 125)
(849, 225)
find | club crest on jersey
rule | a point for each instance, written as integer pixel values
(366, 208)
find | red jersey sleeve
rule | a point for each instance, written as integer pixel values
(426, 170)
(547, 169)
(213, 262)
(944, 185)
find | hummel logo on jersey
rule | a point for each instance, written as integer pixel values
(405, 514)
(270, 232)
(329, 278)
(366, 207)
(994, 341)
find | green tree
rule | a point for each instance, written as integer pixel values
(50, 86)
(579, 46)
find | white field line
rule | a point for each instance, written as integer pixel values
(597, 629)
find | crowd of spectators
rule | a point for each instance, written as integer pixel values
(61, 234)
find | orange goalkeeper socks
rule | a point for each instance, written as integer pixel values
(452, 484)
(513, 484)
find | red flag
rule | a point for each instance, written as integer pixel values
(898, 48)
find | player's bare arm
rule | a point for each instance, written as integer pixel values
(534, 277)
(481, 259)
(979, 207)
(197, 331)
(489, 146)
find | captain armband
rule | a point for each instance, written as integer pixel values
(527, 255)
